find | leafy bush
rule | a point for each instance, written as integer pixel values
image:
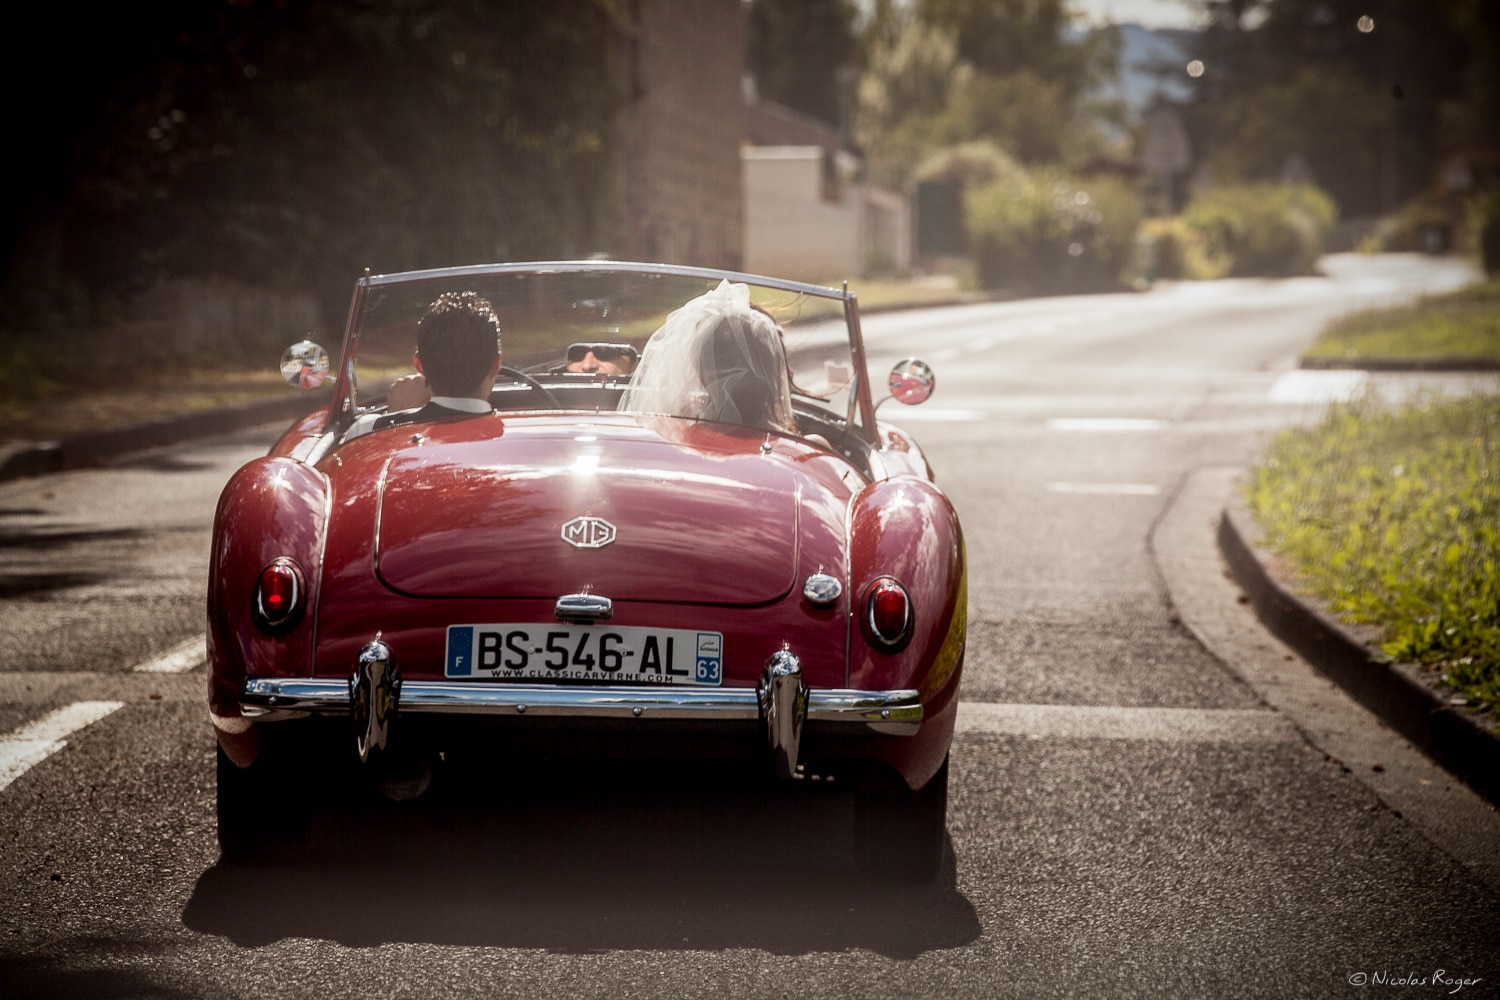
(1181, 252)
(1263, 229)
(971, 164)
(1394, 518)
(1046, 232)
(1411, 228)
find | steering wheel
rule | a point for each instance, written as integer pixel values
(519, 376)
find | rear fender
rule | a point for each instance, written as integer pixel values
(905, 528)
(272, 507)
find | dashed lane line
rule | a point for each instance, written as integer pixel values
(1105, 425)
(181, 658)
(36, 741)
(936, 415)
(1106, 489)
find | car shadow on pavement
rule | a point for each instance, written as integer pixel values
(649, 864)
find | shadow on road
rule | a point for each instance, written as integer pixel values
(161, 461)
(47, 538)
(637, 865)
(48, 546)
(45, 977)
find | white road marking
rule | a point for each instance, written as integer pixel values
(1110, 425)
(178, 660)
(1106, 489)
(922, 414)
(1108, 722)
(36, 741)
(1314, 386)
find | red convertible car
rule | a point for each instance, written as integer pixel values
(614, 549)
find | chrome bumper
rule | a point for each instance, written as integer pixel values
(781, 704)
(891, 713)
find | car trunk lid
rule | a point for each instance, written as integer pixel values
(629, 517)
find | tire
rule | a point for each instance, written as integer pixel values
(900, 834)
(261, 815)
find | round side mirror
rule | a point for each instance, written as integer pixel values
(305, 365)
(912, 381)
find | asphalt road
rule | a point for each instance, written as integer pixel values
(1150, 796)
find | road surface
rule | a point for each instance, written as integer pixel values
(1150, 796)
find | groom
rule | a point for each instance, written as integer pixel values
(457, 358)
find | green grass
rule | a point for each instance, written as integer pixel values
(1393, 518)
(1461, 324)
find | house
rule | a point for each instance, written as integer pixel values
(809, 213)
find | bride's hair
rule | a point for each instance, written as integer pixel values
(716, 358)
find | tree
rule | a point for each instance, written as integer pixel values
(1359, 90)
(800, 51)
(289, 143)
(1001, 37)
(943, 72)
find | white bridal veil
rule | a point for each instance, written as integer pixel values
(715, 358)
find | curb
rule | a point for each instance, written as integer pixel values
(1454, 739)
(92, 448)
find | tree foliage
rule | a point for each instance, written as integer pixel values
(1261, 229)
(799, 51)
(1001, 37)
(945, 72)
(1371, 97)
(291, 143)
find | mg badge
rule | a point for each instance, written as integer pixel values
(588, 532)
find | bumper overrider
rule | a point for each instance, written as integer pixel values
(781, 703)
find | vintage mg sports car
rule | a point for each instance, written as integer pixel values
(678, 516)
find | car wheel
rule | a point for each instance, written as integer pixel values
(898, 833)
(261, 815)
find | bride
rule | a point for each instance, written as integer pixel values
(718, 357)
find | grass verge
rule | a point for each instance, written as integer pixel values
(1393, 518)
(1463, 324)
(45, 398)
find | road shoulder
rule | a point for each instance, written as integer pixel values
(1407, 700)
(1213, 606)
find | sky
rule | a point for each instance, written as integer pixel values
(1148, 13)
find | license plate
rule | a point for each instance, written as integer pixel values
(617, 655)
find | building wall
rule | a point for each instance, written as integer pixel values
(680, 132)
(797, 225)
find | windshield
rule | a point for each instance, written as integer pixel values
(585, 335)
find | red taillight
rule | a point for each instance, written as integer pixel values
(887, 616)
(279, 595)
